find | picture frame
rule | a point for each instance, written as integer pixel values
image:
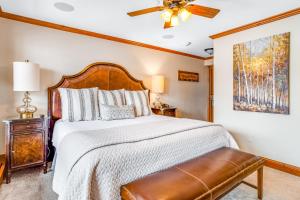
(188, 76)
(261, 75)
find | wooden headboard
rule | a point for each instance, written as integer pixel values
(106, 76)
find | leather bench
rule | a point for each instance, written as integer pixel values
(208, 177)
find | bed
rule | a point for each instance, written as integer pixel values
(94, 158)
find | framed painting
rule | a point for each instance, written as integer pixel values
(188, 76)
(261, 75)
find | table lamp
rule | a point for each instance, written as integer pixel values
(158, 83)
(26, 78)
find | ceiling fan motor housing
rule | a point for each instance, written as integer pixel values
(173, 4)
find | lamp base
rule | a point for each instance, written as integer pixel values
(26, 111)
(157, 103)
(26, 115)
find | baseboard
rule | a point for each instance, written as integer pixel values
(291, 169)
(2, 167)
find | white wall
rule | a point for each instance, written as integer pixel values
(272, 135)
(61, 53)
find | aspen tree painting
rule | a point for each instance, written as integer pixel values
(261, 75)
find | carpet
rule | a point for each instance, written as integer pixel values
(32, 184)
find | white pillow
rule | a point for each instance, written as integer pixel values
(79, 104)
(111, 97)
(116, 112)
(140, 100)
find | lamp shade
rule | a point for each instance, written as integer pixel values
(26, 76)
(158, 84)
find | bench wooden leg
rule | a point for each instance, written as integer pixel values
(260, 175)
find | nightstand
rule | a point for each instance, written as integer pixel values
(26, 144)
(171, 111)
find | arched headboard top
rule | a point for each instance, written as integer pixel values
(106, 76)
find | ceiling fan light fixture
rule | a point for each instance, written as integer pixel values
(174, 20)
(174, 11)
(167, 15)
(184, 14)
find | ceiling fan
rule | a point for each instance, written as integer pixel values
(173, 9)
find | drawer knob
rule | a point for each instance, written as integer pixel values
(28, 126)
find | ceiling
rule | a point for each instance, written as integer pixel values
(109, 17)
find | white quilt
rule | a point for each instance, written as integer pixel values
(63, 128)
(94, 164)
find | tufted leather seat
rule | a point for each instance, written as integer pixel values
(209, 176)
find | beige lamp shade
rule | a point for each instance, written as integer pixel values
(158, 84)
(26, 76)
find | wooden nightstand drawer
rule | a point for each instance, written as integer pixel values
(27, 149)
(171, 112)
(27, 125)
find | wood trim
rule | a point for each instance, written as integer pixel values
(258, 23)
(37, 22)
(209, 58)
(284, 167)
(210, 110)
(2, 167)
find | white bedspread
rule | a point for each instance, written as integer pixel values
(63, 128)
(94, 163)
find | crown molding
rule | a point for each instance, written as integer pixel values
(209, 58)
(257, 23)
(37, 22)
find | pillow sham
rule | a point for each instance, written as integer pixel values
(140, 100)
(79, 104)
(116, 112)
(111, 97)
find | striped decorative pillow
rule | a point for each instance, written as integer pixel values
(111, 97)
(140, 100)
(79, 104)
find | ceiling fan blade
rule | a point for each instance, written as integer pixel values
(202, 10)
(167, 25)
(145, 11)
